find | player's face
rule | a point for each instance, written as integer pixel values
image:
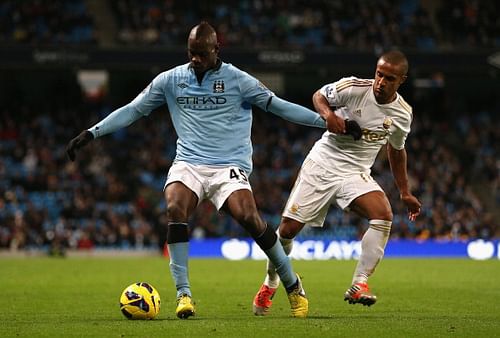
(202, 54)
(388, 78)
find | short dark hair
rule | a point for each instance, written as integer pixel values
(396, 57)
(204, 30)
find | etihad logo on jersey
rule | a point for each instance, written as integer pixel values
(201, 102)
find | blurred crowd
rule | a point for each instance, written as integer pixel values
(55, 22)
(112, 196)
(318, 24)
(355, 24)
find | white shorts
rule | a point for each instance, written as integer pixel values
(317, 188)
(213, 183)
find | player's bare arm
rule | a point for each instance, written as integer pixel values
(397, 160)
(334, 123)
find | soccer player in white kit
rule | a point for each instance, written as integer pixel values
(337, 170)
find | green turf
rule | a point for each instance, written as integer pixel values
(44, 297)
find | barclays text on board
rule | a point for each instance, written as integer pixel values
(237, 249)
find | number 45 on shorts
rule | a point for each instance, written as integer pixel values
(237, 174)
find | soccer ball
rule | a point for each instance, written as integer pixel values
(140, 301)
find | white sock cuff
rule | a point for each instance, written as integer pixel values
(285, 241)
(380, 225)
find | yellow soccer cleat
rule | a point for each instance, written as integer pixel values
(185, 307)
(298, 301)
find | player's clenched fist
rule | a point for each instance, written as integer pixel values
(78, 142)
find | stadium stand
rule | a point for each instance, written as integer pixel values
(113, 197)
(363, 25)
(56, 22)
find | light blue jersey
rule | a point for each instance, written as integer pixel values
(213, 119)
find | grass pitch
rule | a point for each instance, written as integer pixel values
(50, 297)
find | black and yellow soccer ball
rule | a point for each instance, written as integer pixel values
(140, 301)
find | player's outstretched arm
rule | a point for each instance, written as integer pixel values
(149, 99)
(295, 113)
(397, 161)
(118, 119)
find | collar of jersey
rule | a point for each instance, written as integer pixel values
(217, 67)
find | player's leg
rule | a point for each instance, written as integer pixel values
(241, 205)
(181, 202)
(375, 207)
(288, 229)
(308, 202)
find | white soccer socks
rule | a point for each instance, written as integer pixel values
(372, 249)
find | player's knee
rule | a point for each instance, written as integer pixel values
(386, 216)
(176, 213)
(289, 228)
(287, 232)
(248, 218)
(251, 222)
(382, 213)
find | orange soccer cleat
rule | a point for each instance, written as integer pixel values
(360, 293)
(263, 300)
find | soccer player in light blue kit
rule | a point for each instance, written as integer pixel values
(210, 105)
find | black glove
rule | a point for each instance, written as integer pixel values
(78, 142)
(352, 128)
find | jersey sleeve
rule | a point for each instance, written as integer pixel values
(253, 91)
(152, 96)
(398, 138)
(334, 96)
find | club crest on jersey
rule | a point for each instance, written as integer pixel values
(357, 112)
(219, 86)
(387, 122)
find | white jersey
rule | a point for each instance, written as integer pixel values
(353, 98)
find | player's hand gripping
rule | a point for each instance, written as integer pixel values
(78, 142)
(352, 128)
(337, 125)
(413, 205)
